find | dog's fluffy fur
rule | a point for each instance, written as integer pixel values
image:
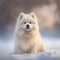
(28, 40)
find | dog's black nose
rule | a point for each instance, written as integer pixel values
(27, 26)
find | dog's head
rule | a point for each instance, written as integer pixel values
(27, 22)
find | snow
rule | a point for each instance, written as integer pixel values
(42, 56)
(6, 49)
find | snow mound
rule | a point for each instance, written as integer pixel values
(42, 56)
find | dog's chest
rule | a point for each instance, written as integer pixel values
(26, 45)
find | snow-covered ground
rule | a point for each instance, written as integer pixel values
(52, 45)
(53, 51)
(28, 57)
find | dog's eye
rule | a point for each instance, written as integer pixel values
(30, 22)
(24, 22)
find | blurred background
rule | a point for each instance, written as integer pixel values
(48, 13)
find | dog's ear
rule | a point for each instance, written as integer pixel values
(33, 15)
(21, 15)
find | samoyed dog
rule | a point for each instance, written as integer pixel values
(27, 35)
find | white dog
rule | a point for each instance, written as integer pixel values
(27, 36)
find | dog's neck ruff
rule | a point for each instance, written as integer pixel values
(27, 35)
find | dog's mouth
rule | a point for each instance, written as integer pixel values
(27, 30)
